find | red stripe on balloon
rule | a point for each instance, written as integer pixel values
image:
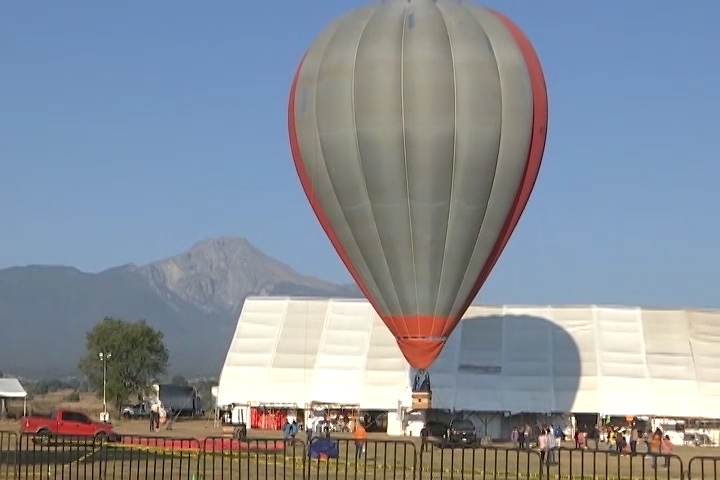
(535, 153)
(423, 342)
(314, 203)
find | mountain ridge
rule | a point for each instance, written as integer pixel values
(194, 297)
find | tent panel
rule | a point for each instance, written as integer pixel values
(299, 339)
(673, 384)
(251, 351)
(574, 360)
(527, 360)
(624, 384)
(338, 371)
(11, 388)
(386, 376)
(476, 362)
(705, 344)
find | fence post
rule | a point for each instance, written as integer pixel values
(18, 442)
(201, 458)
(305, 463)
(417, 464)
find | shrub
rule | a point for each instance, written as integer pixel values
(72, 397)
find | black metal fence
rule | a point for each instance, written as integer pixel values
(136, 457)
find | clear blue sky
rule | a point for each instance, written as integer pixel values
(130, 130)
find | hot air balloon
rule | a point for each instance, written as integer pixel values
(417, 128)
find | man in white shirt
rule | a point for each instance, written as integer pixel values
(310, 427)
(552, 445)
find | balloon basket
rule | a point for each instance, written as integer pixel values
(421, 400)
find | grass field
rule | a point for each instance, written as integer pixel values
(88, 403)
(385, 457)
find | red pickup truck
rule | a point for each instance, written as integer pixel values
(67, 423)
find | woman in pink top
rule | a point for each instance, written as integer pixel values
(543, 445)
(666, 449)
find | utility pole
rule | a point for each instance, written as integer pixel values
(104, 357)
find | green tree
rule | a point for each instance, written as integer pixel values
(137, 355)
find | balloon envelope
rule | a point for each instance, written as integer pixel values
(417, 128)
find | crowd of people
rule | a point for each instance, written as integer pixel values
(158, 415)
(625, 441)
(321, 430)
(547, 437)
(618, 440)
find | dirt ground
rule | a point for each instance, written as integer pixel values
(384, 457)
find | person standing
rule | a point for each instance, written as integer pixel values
(577, 438)
(528, 435)
(543, 446)
(552, 444)
(294, 429)
(634, 437)
(594, 435)
(310, 425)
(153, 415)
(666, 449)
(656, 446)
(360, 436)
(286, 431)
(424, 434)
(171, 415)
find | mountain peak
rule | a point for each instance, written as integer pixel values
(217, 274)
(222, 243)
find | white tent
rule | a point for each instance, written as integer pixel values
(299, 351)
(611, 360)
(11, 388)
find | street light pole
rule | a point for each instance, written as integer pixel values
(104, 357)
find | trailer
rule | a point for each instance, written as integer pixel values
(178, 400)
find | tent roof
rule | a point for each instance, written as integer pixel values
(610, 360)
(11, 388)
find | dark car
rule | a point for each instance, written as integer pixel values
(436, 431)
(139, 410)
(461, 432)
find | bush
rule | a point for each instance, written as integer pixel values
(72, 397)
(40, 388)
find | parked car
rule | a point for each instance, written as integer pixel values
(454, 433)
(436, 431)
(461, 432)
(139, 410)
(67, 423)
